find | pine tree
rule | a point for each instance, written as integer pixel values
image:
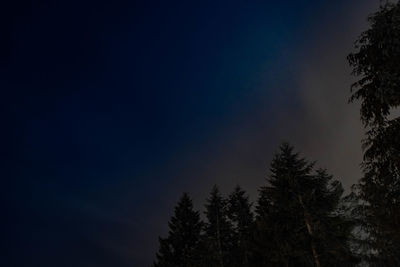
(180, 248)
(240, 214)
(218, 230)
(333, 227)
(279, 216)
(298, 213)
(376, 63)
(265, 252)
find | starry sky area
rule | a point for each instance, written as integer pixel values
(111, 109)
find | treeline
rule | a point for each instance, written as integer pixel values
(299, 220)
(301, 217)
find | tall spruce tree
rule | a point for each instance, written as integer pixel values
(240, 214)
(376, 63)
(218, 237)
(298, 223)
(180, 248)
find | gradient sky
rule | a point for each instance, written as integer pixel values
(111, 109)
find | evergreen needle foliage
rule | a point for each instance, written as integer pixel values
(242, 218)
(180, 248)
(298, 222)
(218, 231)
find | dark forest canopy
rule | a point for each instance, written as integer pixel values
(295, 210)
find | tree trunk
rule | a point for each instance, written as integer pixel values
(221, 260)
(310, 232)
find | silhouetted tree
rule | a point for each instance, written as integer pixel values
(298, 223)
(180, 248)
(376, 63)
(302, 220)
(240, 214)
(333, 225)
(218, 230)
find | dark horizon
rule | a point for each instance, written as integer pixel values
(112, 110)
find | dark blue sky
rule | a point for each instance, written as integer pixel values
(113, 108)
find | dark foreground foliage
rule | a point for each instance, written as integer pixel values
(376, 64)
(297, 222)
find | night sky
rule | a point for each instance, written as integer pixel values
(112, 109)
